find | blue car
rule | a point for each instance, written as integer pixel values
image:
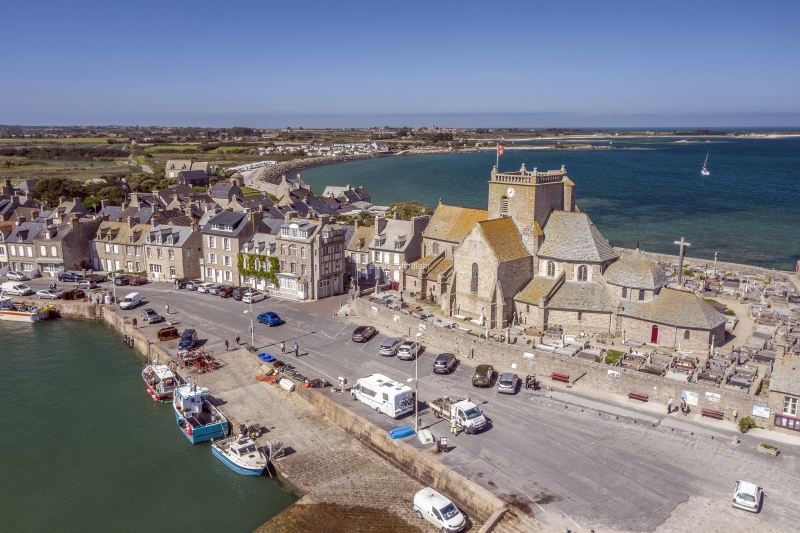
(269, 318)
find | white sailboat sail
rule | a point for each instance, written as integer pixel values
(705, 171)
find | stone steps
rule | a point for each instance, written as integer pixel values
(514, 523)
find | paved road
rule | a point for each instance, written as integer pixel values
(586, 462)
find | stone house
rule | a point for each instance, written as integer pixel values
(225, 192)
(6, 227)
(174, 166)
(223, 237)
(784, 395)
(20, 247)
(65, 246)
(190, 178)
(119, 246)
(396, 244)
(261, 245)
(357, 253)
(173, 252)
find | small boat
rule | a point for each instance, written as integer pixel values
(10, 310)
(705, 171)
(240, 453)
(160, 381)
(196, 416)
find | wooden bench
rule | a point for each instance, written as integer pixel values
(558, 376)
(638, 396)
(712, 413)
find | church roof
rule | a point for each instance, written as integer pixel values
(503, 237)
(582, 296)
(452, 223)
(676, 307)
(786, 377)
(571, 236)
(535, 289)
(438, 267)
(635, 271)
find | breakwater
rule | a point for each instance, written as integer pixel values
(274, 172)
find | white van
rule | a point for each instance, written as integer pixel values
(438, 510)
(384, 395)
(15, 288)
(130, 301)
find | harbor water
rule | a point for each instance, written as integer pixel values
(646, 190)
(83, 447)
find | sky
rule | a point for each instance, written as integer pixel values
(341, 64)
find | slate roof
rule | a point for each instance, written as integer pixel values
(192, 176)
(227, 218)
(439, 267)
(363, 236)
(112, 211)
(786, 376)
(675, 307)
(535, 289)
(24, 233)
(120, 232)
(571, 236)
(180, 234)
(635, 271)
(224, 189)
(582, 296)
(504, 239)
(452, 223)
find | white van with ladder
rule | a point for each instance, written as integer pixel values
(384, 395)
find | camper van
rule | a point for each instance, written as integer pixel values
(384, 395)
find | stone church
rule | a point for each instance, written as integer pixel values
(536, 260)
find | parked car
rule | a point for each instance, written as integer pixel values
(507, 384)
(16, 276)
(238, 294)
(192, 285)
(363, 333)
(188, 339)
(203, 287)
(225, 292)
(137, 280)
(483, 376)
(49, 294)
(389, 346)
(68, 276)
(409, 350)
(213, 288)
(747, 496)
(269, 318)
(444, 363)
(15, 288)
(98, 277)
(123, 279)
(130, 301)
(85, 284)
(253, 297)
(181, 283)
(150, 316)
(439, 511)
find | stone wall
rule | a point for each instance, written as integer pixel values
(595, 375)
(722, 266)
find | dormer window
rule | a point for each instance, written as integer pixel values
(170, 240)
(147, 239)
(99, 236)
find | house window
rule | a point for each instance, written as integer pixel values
(138, 251)
(159, 253)
(292, 249)
(212, 258)
(338, 264)
(43, 250)
(624, 292)
(228, 275)
(30, 252)
(363, 259)
(504, 206)
(27, 267)
(283, 248)
(396, 259)
(303, 253)
(155, 268)
(173, 272)
(212, 241)
(116, 249)
(789, 406)
(226, 243)
(127, 249)
(283, 266)
(2, 250)
(377, 257)
(303, 269)
(108, 248)
(172, 255)
(686, 335)
(583, 273)
(138, 266)
(54, 251)
(293, 268)
(436, 248)
(226, 260)
(474, 277)
(149, 252)
(551, 269)
(641, 295)
(210, 272)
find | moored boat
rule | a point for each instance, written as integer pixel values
(18, 312)
(160, 381)
(197, 418)
(240, 453)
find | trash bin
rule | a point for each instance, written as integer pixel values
(442, 447)
(108, 298)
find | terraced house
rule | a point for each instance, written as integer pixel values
(119, 246)
(173, 252)
(223, 236)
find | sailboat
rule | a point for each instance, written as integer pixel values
(705, 171)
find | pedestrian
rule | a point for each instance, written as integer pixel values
(669, 405)
(134, 323)
(226, 344)
(283, 349)
(296, 350)
(167, 308)
(683, 406)
(454, 426)
(55, 286)
(237, 340)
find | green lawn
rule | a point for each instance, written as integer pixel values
(169, 147)
(249, 191)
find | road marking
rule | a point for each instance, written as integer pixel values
(341, 330)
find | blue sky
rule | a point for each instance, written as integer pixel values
(524, 64)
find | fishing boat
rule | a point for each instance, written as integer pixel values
(197, 417)
(160, 381)
(240, 453)
(18, 312)
(705, 171)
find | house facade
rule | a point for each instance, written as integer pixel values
(223, 236)
(173, 252)
(119, 247)
(784, 396)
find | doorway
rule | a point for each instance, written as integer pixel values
(654, 335)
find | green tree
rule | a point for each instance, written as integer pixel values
(409, 210)
(51, 189)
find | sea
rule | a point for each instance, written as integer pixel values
(83, 447)
(645, 190)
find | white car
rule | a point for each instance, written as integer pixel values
(203, 287)
(16, 276)
(85, 284)
(253, 297)
(438, 510)
(49, 294)
(747, 496)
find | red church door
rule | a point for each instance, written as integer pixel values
(654, 335)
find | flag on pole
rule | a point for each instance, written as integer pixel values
(500, 150)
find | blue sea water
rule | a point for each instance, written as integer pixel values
(747, 210)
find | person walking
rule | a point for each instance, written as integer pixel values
(453, 426)
(167, 308)
(226, 344)
(296, 349)
(237, 340)
(669, 405)
(283, 349)
(134, 323)
(683, 406)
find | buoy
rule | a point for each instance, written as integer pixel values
(308, 385)
(188, 429)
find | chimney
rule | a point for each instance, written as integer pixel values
(77, 201)
(124, 205)
(358, 223)
(73, 221)
(103, 204)
(175, 197)
(188, 210)
(255, 220)
(131, 222)
(21, 220)
(193, 225)
(380, 224)
(323, 220)
(61, 217)
(287, 216)
(396, 215)
(62, 199)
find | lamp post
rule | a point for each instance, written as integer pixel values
(416, 385)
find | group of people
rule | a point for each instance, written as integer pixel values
(684, 407)
(283, 346)
(53, 286)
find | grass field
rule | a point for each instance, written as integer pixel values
(249, 191)
(161, 148)
(74, 140)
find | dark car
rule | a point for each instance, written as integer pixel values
(98, 278)
(124, 279)
(181, 283)
(225, 292)
(188, 339)
(363, 333)
(444, 363)
(69, 276)
(237, 294)
(138, 280)
(483, 376)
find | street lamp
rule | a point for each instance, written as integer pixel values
(416, 385)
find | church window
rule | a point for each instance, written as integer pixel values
(436, 248)
(686, 335)
(583, 273)
(551, 269)
(641, 295)
(474, 277)
(504, 206)
(624, 292)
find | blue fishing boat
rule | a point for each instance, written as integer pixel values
(196, 416)
(240, 454)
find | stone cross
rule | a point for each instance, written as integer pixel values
(683, 244)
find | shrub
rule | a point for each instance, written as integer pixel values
(746, 424)
(730, 312)
(768, 446)
(613, 356)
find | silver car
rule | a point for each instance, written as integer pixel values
(389, 346)
(49, 294)
(85, 284)
(507, 383)
(747, 496)
(409, 350)
(17, 276)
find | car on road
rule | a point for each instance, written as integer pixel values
(123, 279)
(150, 316)
(432, 506)
(214, 289)
(483, 376)
(98, 278)
(188, 339)
(85, 284)
(49, 294)
(138, 280)
(747, 496)
(444, 363)
(253, 297)
(409, 350)
(15, 288)
(389, 346)
(16, 276)
(363, 333)
(507, 383)
(68, 276)
(130, 301)
(269, 318)
(225, 291)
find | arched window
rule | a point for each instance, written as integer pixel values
(474, 277)
(624, 292)
(436, 248)
(503, 205)
(641, 296)
(686, 335)
(292, 249)
(304, 253)
(583, 273)
(551, 269)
